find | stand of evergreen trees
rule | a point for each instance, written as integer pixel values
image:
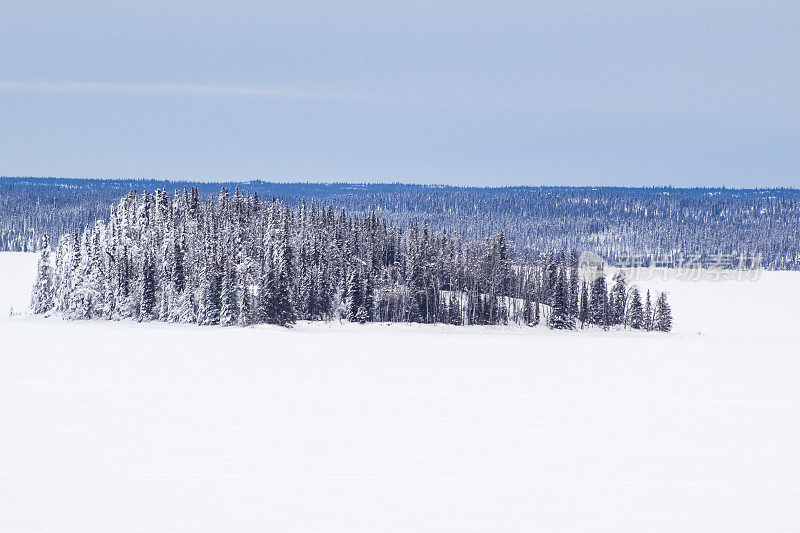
(238, 260)
(718, 228)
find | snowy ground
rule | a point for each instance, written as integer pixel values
(121, 426)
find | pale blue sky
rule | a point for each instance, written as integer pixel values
(465, 93)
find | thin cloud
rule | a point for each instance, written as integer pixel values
(171, 90)
(594, 100)
(168, 90)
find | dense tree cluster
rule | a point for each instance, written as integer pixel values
(235, 259)
(29, 209)
(715, 227)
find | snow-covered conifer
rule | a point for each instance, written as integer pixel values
(617, 299)
(228, 308)
(355, 295)
(583, 306)
(43, 297)
(147, 287)
(560, 318)
(598, 302)
(662, 318)
(635, 311)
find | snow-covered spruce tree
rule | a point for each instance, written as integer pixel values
(528, 309)
(455, 312)
(147, 287)
(635, 311)
(598, 302)
(324, 296)
(209, 304)
(574, 284)
(648, 313)
(607, 314)
(95, 279)
(583, 306)
(228, 308)
(276, 303)
(418, 305)
(77, 302)
(62, 277)
(122, 279)
(549, 278)
(43, 297)
(369, 299)
(245, 297)
(361, 315)
(618, 300)
(307, 297)
(560, 317)
(662, 319)
(286, 273)
(355, 297)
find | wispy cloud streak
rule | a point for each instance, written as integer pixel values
(589, 100)
(278, 93)
(169, 90)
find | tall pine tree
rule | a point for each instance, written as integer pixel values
(635, 312)
(662, 319)
(43, 297)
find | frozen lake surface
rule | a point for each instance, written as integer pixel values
(340, 427)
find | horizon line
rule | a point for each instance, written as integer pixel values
(401, 183)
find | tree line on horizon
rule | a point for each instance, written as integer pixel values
(234, 259)
(719, 228)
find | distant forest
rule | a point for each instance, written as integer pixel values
(716, 227)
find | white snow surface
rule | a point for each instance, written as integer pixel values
(339, 427)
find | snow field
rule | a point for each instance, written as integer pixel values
(341, 427)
